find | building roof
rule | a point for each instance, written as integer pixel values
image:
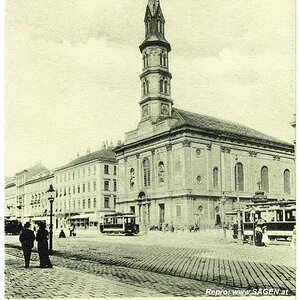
(212, 125)
(104, 154)
(33, 171)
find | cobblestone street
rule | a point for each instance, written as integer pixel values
(145, 263)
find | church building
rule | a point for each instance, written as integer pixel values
(185, 168)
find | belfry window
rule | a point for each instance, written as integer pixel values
(161, 85)
(166, 87)
(239, 176)
(165, 61)
(264, 177)
(287, 182)
(146, 169)
(161, 59)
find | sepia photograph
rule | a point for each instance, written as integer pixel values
(149, 149)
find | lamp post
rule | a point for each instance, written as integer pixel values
(239, 237)
(51, 194)
(252, 212)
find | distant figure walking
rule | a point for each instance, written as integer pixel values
(62, 234)
(42, 240)
(265, 237)
(258, 235)
(26, 239)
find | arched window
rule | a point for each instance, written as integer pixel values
(146, 169)
(144, 88)
(161, 85)
(264, 177)
(215, 177)
(239, 176)
(287, 181)
(144, 61)
(166, 87)
(161, 172)
(147, 86)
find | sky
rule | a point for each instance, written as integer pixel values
(72, 70)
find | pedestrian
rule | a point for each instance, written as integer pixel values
(258, 235)
(293, 241)
(62, 234)
(26, 239)
(42, 240)
(265, 237)
(71, 229)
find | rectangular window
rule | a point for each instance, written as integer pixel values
(89, 203)
(78, 204)
(89, 186)
(83, 204)
(106, 169)
(106, 202)
(69, 190)
(78, 173)
(65, 191)
(106, 185)
(78, 189)
(74, 204)
(83, 187)
(89, 171)
(115, 170)
(73, 189)
(69, 174)
(115, 185)
(178, 210)
(115, 201)
(73, 175)
(95, 169)
(95, 185)
(95, 202)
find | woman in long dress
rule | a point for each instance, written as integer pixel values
(265, 238)
(42, 241)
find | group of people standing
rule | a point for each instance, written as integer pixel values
(27, 238)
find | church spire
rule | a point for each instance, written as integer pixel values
(155, 78)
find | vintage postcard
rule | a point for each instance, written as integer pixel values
(149, 149)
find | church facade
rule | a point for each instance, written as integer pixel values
(184, 168)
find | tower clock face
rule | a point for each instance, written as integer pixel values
(164, 110)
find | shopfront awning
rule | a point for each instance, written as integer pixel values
(91, 217)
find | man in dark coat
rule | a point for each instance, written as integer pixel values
(26, 239)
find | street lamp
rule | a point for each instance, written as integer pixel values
(51, 194)
(239, 237)
(252, 212)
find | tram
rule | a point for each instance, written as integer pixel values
(119, 223)
(12, 226)
(278, 217)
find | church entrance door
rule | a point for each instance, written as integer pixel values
(161, 214)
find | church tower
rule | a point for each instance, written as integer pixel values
(155, 79)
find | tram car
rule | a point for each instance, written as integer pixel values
(119, 223)
(278, 217)
(12, 226)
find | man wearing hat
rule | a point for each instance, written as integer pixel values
(26, 239)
